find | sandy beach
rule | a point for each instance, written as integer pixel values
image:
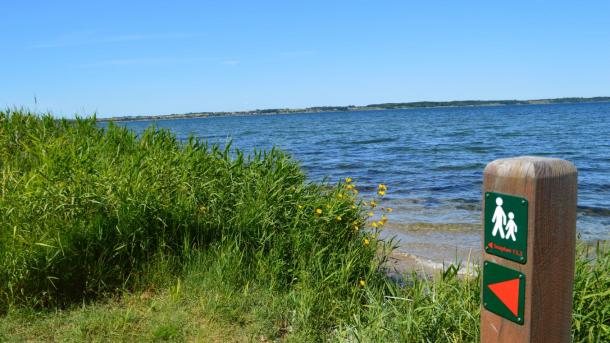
(429, 248)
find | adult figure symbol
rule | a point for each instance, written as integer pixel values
(499, 218)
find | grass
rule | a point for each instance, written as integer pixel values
(109, 236)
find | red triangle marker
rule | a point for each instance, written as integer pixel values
(508, 292)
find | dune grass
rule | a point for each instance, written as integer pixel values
(109, 236)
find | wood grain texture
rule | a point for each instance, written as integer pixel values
(550, 185)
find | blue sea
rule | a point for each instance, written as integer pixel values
(431, 159)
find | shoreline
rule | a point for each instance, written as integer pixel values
(428, 248)
(365, 108)
(419, 250)
(400, 263)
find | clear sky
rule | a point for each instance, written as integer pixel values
(136, 58)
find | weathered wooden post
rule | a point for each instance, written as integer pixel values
(529, 233)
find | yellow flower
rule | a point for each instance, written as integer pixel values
(354, 207)
(384, 218)
(348, 187)
(338, 218)
(362, 283)
(340, 196)
(366, 242)
(348, 179)
(389, 209)
(356, 228)
(373, 203)
(300, 207)
(371, 214)
(374, 224)
(382, 187)
(380, 223)
(318, 211)
(382, 193)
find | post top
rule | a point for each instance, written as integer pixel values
(530, 167)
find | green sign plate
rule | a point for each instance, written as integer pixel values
(504, 291)
(506, 226)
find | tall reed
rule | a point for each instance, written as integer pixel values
(85, 208)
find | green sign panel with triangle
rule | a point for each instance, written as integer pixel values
(506, 226)
(504, 291)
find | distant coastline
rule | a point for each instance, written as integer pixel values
(371, 107)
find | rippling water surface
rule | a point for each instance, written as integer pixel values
(431, 159)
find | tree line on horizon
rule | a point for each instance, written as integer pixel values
(380, 106)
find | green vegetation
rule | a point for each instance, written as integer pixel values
(372, 107)
(107, 236)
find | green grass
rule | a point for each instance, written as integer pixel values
(109, 236)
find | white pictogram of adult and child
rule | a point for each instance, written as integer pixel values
(506, 230)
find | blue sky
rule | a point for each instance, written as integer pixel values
(135, 58)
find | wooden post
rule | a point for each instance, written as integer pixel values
(543, 272)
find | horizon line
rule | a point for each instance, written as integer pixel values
(373, 106)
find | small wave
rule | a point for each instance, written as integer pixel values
(422, 226)
(468, 207)
(249, 132)
(479, 149)
(377, 140)
(348, 166)
(596, 211)
(467, 166)
(443, 188)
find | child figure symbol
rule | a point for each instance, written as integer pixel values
(499, 219)
(511, 227)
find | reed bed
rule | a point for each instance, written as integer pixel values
(85, 209)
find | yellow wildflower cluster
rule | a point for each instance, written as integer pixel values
(380, 223)
(318, 211)
(381, 189)
(369, 237)
(350, 186)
